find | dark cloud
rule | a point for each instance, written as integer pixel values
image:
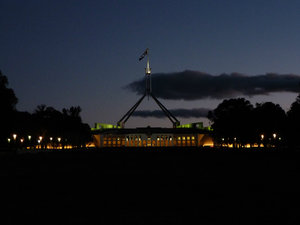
(183, 113)
(192, 85)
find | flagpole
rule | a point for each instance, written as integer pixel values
(148, 92)
(148, 75)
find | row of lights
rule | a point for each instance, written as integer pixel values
(262, 136)
(29, 138)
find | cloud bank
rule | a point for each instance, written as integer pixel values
(183, 113)
(193, 85)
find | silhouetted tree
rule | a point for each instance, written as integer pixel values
(76, 132)
(294, 123)
(40, 109)
(73, 113)
(232, 122)
(8, 99)
(66, 124)
(270, 123)
(47, 121)
(8, 102)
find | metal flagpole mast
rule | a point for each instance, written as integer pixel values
(148, 75)
(148, 92)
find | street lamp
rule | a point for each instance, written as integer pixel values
(59, 139)
(8, 140)
(274, 136)
(29, 137)
(262, 136)
(14, 136)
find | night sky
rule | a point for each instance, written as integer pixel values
(67, 53)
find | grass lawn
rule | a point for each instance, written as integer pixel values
(133, 186)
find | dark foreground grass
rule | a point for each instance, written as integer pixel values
(133, 186)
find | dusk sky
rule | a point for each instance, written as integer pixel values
(81, 52)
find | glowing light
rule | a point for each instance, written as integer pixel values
(51, 138)
(262, 136)
(8, 140)
(29, 137)
(22, 140)
(14, 136)
(59, 139)
(40, 138)
(39, 141)
(274, 136)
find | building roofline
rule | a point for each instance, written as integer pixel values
(151, 130)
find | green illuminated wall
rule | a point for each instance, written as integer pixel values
(198, 125)
(103, 126)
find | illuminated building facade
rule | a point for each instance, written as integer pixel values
(152, 137)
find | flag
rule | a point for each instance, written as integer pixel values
(144, 54)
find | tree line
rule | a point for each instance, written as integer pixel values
(45, 125)
(238, 122)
